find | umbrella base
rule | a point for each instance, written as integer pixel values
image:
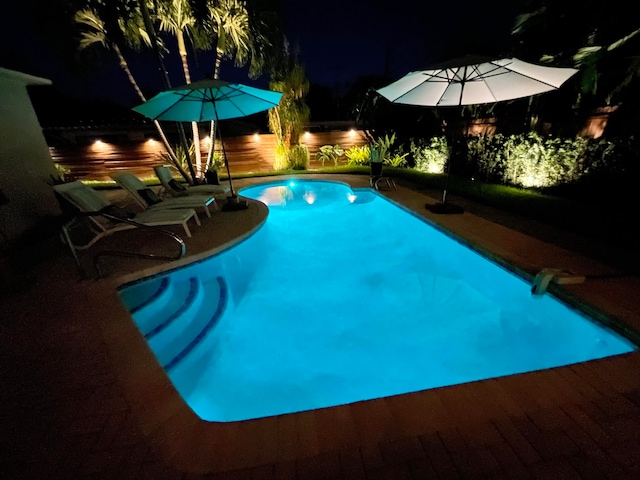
(234, 204)
(444, 208)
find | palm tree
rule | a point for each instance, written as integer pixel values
(158, 49)
(228, 24)
(131, 32)
(176, 18)
(236, 32)
(287, 120)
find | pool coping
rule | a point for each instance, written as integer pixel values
(193, 445)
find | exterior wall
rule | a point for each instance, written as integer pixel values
(25, 162)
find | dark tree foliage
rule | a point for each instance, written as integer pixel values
(565, 31)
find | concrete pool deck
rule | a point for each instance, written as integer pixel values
(83, 396)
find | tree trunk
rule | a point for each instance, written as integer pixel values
(194, 125)
(151, 31)
(125, 66)
(212, 128)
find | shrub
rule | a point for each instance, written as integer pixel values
(358, 155)
(183, 157)
(397, 159)
(330, 153)
(486, 156)
(534, 161)
(281, 160)
(430, 155)
(217, 161)
(299, 157)
(531, 160)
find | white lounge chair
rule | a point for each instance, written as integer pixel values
(176, 189)
(148, 199)
(103, 215)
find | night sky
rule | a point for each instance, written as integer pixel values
(337, 41)
(342, 40)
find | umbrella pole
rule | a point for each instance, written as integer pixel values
(454, 141)
(444, 207)
(224, 152)
(226, 164)
(232, 200)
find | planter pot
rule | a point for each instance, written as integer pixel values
(234, 203)
(211, 177)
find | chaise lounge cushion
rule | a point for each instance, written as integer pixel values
(177, 186)
(149, 196)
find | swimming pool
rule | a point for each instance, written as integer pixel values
(343, 296)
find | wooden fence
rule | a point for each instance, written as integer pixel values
(247, 153)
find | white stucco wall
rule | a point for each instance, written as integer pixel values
(25, 162)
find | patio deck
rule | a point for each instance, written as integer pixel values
(83, 397)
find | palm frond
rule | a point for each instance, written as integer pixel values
(623, 40)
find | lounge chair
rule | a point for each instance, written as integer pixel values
(148, 199)
(103, 215)
(176, 189)
(378, 176)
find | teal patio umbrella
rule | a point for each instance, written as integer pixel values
(208, 100)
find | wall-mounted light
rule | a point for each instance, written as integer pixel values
(256, 137)
(352, 132)
(101, 146)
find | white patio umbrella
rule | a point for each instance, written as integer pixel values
(207, 100)
(472, 81)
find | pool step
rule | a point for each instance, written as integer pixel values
(147, 299)
(174, 322)
(153, 319)
(188, 331)
(175, 316)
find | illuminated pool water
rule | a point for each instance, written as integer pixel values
(343, 296)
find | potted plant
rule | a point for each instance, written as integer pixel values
(376, 158)
(211, 175)
(378, 152)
